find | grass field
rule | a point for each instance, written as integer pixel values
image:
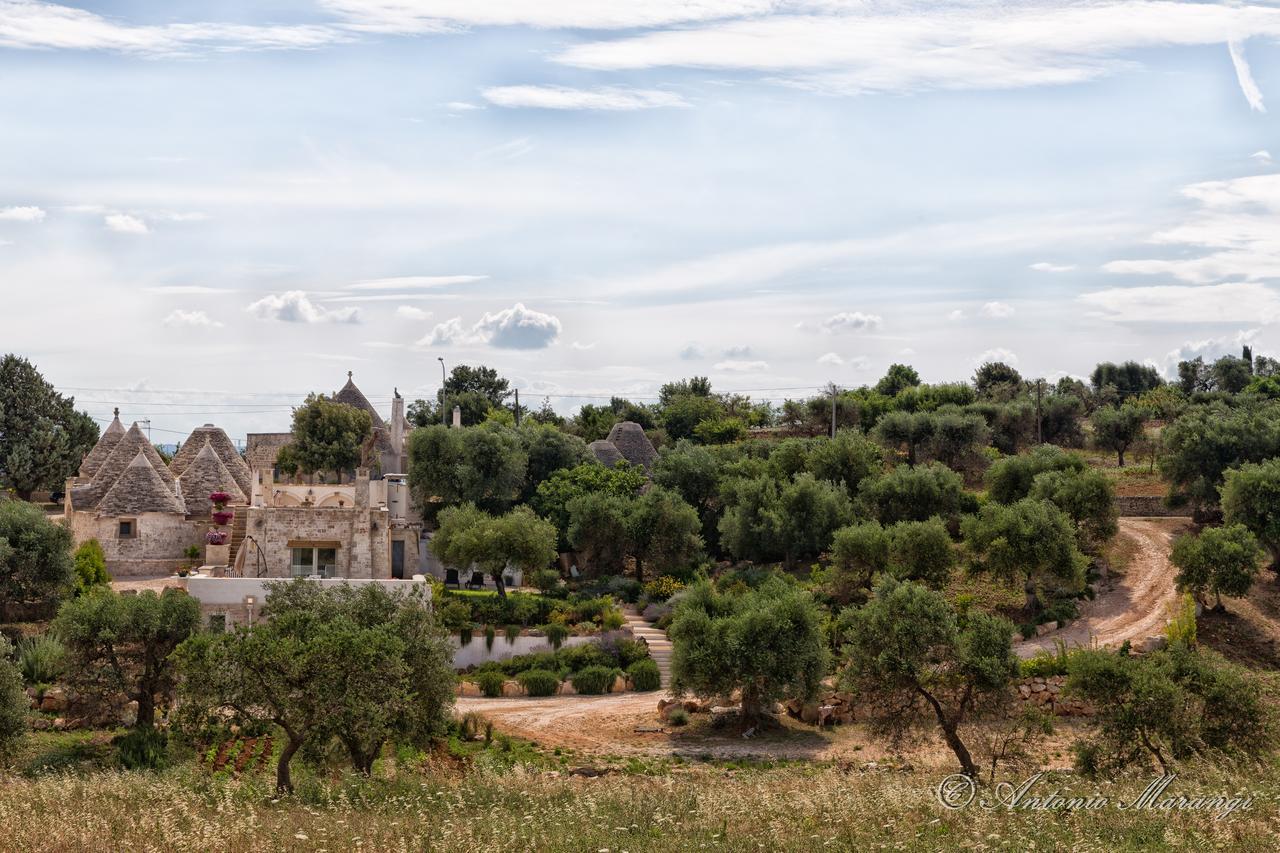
(677, 808)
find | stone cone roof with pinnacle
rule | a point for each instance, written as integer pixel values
(633, 444)
(110, 438)
(133, 442)
(139, 489)
(222, 445)
(353, 396)
(605, 453)
(205, 475)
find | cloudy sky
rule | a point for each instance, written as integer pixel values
(208, 209)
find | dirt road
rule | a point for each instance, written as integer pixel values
(1137, 605)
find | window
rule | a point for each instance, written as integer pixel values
(127, 529)
(303, 563)
(309, 560)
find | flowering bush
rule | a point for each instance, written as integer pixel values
(223, 517)
(216, 537)
(220, 499)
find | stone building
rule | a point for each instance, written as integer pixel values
(626, 441)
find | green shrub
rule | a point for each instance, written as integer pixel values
(491, 682)
(512, 633)
(612, 620)
(143, 749)
(1027, 630)
(489, 636)
(545, 579)
(678, 717)
(644, 675)
(455, 613)
(577, 658)
(1182, 625)
(556, 633)
(41, 659)
(91, 567)
(628, 651)
(592, 680)
(539, 682)
(660, 589)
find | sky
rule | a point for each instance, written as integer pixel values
(209, 209)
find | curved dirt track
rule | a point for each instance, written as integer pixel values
(1136, 606)
(1133, 608)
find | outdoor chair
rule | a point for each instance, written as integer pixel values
(477, 581)
(451, 579)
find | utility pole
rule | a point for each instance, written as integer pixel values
(444, 410)
(834, 391)
(1039, 419)
(147, 421)
(517, 407)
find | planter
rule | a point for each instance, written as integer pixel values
(216, 537)
(223, 517)
(217, 555)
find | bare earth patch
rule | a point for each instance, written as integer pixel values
(1133, 606)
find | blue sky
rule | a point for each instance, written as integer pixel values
(209, 209)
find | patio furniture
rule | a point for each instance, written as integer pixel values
(451, 579)
(477, 581)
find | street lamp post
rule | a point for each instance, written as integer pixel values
(444, 411)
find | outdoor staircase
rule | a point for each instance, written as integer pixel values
(238, 531)
(659, 645)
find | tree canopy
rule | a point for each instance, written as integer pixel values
(1030, 539)
(1220, 560)
(1251, 497)
(42, 437)
(35, 554)
(327, 436)
(468, 536)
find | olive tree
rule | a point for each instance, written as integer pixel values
(1221, 560)
(1031, 540)
(915, 658)
(1164, 706)
(327, 436)
(909, 550)
(1205, 441)
(914, 494)
(468, 536)
(123, 643)
(1010, 479)
(765, 643)
(484, 465)
(1251, 497)
(1116, 428)
(904, 433)
(599, 531)
(766, 520)
(663, 530)
(1088, 499)
(847, 459)
(35, 554)
(361, 665)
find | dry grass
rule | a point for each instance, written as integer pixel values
(786, 808)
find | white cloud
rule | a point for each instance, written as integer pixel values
(415, 16)
(566, 98)
(518, 327)
(413, 282)
(124, 223)
(741, 351)
(1045, 266)
(831, 358)
(461, 106)
(1209, 349)
(295, 306)
(1248, 86)
(21, 214)
(851, 321)
(997, 310)
(851, 48)
(692, 352)
(185, 290)
(411, 312)
(1219, 303)
(578, 345)
(40, 25)
(996, 354)
(1232, 235)
(1262, 157)
(197, 319)
(444, 334)
(737, 366)
(956, 316)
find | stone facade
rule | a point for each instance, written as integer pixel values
(155, 547)
(1149, 506)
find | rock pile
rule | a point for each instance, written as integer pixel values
(1047, 693)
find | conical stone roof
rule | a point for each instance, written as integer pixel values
(222, 445)
(633, 444)
(605, 453)
(353, 396)
(139, 489)
(106, 443)
(133, 442)
(205, 475)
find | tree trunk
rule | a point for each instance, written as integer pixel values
(146, 710)
(950, 733)
(23, 494)
(639, 570)
(1217, 602)
(1032, 604)
(753, 712)
(499, 584)
(362, 761)
(284, 782)
(1120, 458)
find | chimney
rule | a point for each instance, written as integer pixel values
(397, 424)
(457, 416)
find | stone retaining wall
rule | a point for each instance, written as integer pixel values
(1047, 693)
(1137, 506)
